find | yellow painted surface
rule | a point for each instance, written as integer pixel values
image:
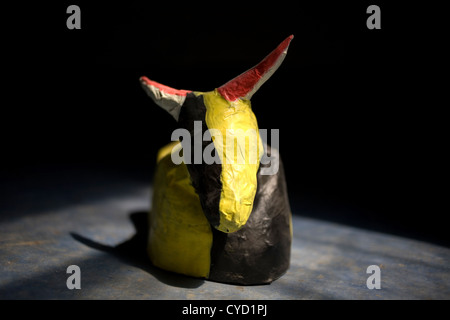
(239, 168)
(180, 236)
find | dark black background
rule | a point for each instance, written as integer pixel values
(355, 107)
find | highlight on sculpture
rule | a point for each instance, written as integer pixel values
(223, 221)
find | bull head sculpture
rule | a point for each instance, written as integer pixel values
(221, 221)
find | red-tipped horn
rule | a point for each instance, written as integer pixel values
(246, 84)
(168, 98)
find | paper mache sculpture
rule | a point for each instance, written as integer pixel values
(223, 221)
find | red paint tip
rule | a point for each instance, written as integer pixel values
(163, 88)
(246, 84)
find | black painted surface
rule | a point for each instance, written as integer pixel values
(259, 252)
(205, 177)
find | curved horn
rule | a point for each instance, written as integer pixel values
(168, 98)
(246, 84)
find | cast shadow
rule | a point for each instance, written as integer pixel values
(134, 253)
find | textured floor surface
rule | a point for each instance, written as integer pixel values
(42, 234)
